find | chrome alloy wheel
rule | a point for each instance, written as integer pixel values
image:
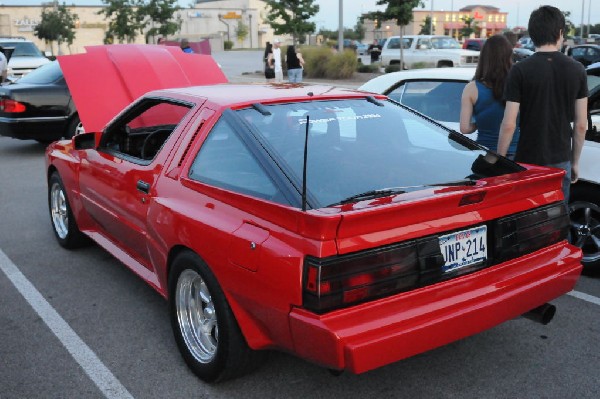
(585, 229)
(59, 211)
(196, 316)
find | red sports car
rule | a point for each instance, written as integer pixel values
(333, 224)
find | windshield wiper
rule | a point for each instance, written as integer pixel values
(371, 194)
(384, 192)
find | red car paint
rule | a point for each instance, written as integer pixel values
(257, 248)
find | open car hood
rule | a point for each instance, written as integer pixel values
(106, 79)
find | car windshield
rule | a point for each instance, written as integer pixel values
(23, 49)
(359, 146)
(45, 74)
(445, 43)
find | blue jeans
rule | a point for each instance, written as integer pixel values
(295, 75)
(566, 185)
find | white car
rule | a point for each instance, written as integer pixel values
(25, 56)
(437, 93)
(421, 51)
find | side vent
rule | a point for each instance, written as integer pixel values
(189, 145)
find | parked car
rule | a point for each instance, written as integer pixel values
(427, 51)
(587, 54)
(333, 224)
(437, 94)
(25, 56)
(473, 44)
(361, 48)
(39, 107)
(526, 42)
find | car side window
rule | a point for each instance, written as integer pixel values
(139, 136)
(225, 161)
(424, 97)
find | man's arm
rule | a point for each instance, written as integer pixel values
(580, 127)
(508, 126)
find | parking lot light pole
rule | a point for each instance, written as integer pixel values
(341, 27)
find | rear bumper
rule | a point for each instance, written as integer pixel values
(381, 332)
(43, 129)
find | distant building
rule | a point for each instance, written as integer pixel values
(216, 20)
(488, 21)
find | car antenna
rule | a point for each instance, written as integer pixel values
(304, 165)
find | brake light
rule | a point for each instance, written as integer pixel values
(340, 281)
(12, 106)
(529, 231)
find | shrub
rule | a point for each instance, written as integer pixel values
(315, 61)
(419, 65)
(227, 44)
(392, 68)
(370, 68)
(341, 65)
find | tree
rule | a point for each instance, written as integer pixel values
(398, 10)
(426, 27)
(158, 14)
(56, 25)
(124, 23)
(241, 32)
(291, 17)
(470, 26)
(359, 30)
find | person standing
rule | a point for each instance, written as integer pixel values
(482, 106)
(295, 64)
(267, 59)
(185, 46)
(375, 51)
(548, 90)
(275, 60)
(3, 65)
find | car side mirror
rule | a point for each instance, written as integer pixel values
(86, 141)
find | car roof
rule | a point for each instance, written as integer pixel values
(106, 79)
(238, 95)
(382, 83)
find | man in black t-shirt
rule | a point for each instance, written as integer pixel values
(548, 91)
(375, 51)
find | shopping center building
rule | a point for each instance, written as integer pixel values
(218, 21)
(214, 20)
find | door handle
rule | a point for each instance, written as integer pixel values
(143, 186)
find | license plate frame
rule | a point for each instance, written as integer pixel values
(464, 248)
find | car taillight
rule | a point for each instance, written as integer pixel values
(8, 105)
(529, 231)
(340, 281)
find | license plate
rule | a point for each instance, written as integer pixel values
(464, 248)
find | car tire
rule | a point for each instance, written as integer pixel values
(205, 329)
(584, 210)
(75, 127)
(63, 222)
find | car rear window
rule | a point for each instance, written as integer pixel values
(45, 74)
(357, 145)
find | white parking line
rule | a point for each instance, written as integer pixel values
(585, 297)
(87, 359)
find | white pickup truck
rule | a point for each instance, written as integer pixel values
(421, 51)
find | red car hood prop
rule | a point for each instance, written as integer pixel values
(108, 78)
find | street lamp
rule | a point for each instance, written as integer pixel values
(431, 19)
(341, 27)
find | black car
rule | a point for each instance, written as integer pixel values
(587, 54)
(39, 107)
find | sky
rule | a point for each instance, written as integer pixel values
(518, 10)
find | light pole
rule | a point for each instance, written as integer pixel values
(431, 19)
(582, 11)
(250, 27)
(341, 27)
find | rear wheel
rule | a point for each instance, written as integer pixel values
(205, 329)
(63, 223)
(584, 210)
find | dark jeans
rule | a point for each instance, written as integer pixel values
(566, 166)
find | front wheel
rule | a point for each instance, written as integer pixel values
(205, 329)
(584, 210)
(63, 223)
